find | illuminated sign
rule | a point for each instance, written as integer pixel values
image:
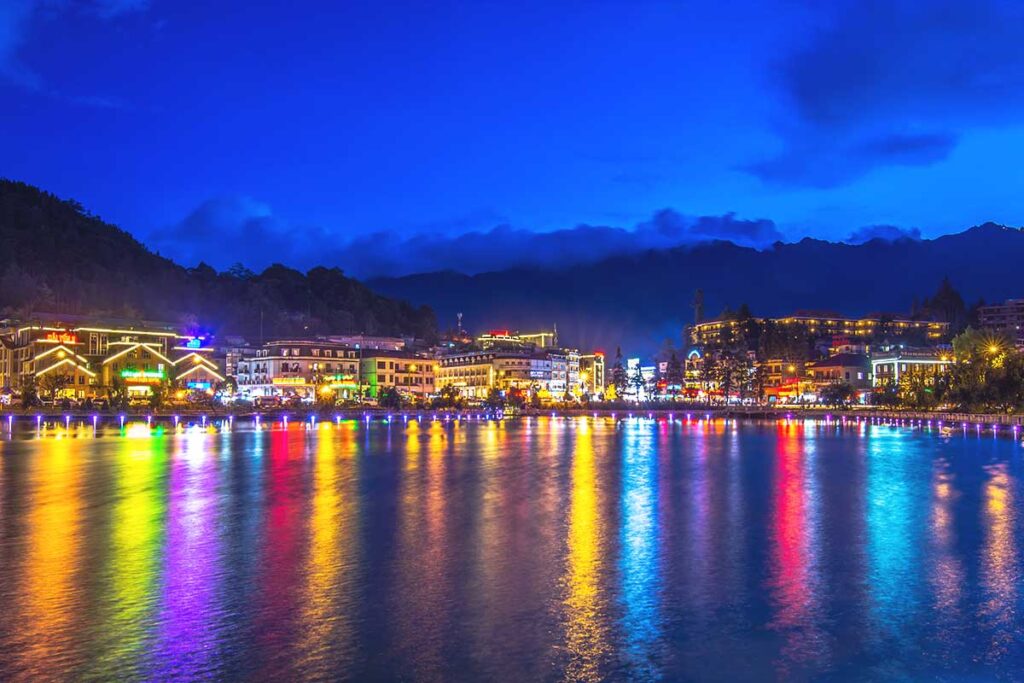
(62, 337)
(289, 381)
(143, 375)
(194, 343)
(201, 386)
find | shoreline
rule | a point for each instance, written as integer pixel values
(374, 413)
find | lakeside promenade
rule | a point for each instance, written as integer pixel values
(682, 411)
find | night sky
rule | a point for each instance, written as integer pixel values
(283, 131)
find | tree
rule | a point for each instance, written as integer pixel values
(495, 399)
(946, 305)
(29, 392)
(837, 394)
(157, 395)
(732, 373)
(638, 382)
(448, 397)
(619, 378)
(674, 374)
(117, 393)
(886, 394)
(53, 383)
(389, 397)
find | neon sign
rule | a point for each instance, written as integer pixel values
(290, 381)
(194, 343)
(202, 386)
(145, 375)
(62, 337)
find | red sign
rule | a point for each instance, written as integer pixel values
(62, 337)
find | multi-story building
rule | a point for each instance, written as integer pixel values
(1006, 318)
(475, 373)
(90, 359)
(592, 377)
(891, 366)
(717, 333)
(506, 339)
(559, 383)
(298, 367)
(365, 341)
(411, 375)
(851, 368)
(471, 373)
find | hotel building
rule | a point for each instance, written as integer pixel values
(889, 367)
(91, 359)
(411, 375)
(1006, 318)
(298, 367)
(717, 333)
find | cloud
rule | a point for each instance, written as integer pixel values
(895, 83)
(15, 23)
(824, 165)
(887, 233)
(226, 230)
(229, 230)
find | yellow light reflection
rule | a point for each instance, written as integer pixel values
(1000, 573)
(330, 601)
(47, 587)
(137, 531)
(947, 575)
(586, 631)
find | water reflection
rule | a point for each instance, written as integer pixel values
(189, 595)
(586, 628)
(794, 582)
(329, 604)
(1000, 569)
(133, 570)
(535, 549)
(641, 550)
(49, 599)
(896, 491)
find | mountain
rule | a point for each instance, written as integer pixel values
(55, 256)
(639, 300)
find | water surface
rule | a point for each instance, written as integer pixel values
(535, 549)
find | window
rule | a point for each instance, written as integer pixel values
(316, 352)
(381, 365)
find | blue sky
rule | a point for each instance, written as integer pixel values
(358, 134)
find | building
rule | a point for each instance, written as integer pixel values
(783, 379)
(471, 373)
(195, 365)
(298, 367)
(364, 341)
(92, 359)
(411, 375)
(851, 368)
(559, 383)
(890, 367)
(875, 328)
(506, 339)
(1006, 318)
(592, 377)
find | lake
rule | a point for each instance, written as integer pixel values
(528, 549)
